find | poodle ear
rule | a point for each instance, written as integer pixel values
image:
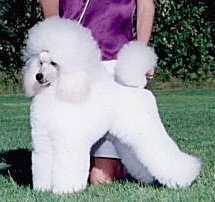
(73, 87)
(31, 86)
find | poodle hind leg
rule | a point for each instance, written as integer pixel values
(158, 156)
(140, 127)
(134, 167)
(170, 166)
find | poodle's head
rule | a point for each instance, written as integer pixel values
(40, 72)
(60, 53)
(48, 70)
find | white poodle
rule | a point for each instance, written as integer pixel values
(75, 102)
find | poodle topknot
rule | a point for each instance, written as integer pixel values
(75, 102)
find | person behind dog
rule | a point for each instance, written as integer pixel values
(111, 23)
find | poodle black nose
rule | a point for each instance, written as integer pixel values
(39, 76)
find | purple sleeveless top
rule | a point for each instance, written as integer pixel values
(109, 20)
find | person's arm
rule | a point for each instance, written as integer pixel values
(145, 19)
(50, 7)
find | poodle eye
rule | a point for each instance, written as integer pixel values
(53, 63)
(41, 63)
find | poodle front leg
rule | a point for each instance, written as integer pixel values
(71, 167)
(41, 164)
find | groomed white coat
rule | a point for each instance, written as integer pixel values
(75, 102)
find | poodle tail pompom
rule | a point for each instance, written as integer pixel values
(134, 60)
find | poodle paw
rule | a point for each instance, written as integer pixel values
(65, 189)
(42, 187)
(185, 174)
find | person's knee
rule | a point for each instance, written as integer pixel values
(105, 170)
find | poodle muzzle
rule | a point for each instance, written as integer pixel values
(48, 71)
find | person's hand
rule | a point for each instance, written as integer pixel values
(150, 74)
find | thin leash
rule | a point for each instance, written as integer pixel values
(83, 12)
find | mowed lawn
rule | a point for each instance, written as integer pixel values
(189, 117)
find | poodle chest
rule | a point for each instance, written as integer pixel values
(89, 119)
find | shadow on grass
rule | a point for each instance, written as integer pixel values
(18, 166)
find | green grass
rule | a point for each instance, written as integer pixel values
(188, 115)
